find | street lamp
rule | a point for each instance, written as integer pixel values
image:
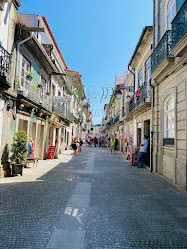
(118, 94)
(127, 88)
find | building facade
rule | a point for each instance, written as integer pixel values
(169, 81)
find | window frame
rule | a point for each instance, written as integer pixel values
(169, 11)
(24, 73)
(140, 79)
(168, 141)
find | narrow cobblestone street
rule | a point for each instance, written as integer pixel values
(91, 201)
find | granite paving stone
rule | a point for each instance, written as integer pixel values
(93, 200)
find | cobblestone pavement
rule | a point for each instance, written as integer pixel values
(92, 201)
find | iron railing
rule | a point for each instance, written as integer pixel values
(123, 110)
(59, 108)
(162, 51)
(116, 119)
(179, 25)
(69, 115)
(144, 97)
(31, 90)
(5, 65)
(111, 121)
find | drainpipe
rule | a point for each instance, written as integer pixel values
(152, 123)
(18, 47)
(152, 92)
(134, 76)
(153, 47)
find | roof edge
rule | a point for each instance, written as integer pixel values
(139, 41)
(51, 34)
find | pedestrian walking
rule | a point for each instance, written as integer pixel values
(112, 145)
(74, 146)
(95, 142)
(116, 144)
(143, 151)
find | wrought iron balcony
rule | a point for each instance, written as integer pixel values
(5, 68)
(60, 110)
(116, 119)
(142, 98)
(162, 51)
(179, 25)
(69, 115)
(31, 91)
(123, 110)
(111, 121)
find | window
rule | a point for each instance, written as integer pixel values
(43, 89)
(169, 121)
(171, 11)
(53, 90)
(25, 70)
(148, 69)
(140, 78)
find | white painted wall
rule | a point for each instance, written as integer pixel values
(4, 24)
(2, 103)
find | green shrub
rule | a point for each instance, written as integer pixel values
(20, 148)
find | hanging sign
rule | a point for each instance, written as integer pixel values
(51, 152)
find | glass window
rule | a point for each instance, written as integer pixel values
(43, 89)
(171, 12)
(169, 3)
(169, 118)
(25, 70)
(148, 69)
(140, 78)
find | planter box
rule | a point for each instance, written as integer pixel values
(17, 169)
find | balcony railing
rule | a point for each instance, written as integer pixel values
(5, 66)
(162, 51)
(144, 97)
(123, 110)
(30, 90)
(116, 119)
(111, 121)
(60, 110)
(179, 25)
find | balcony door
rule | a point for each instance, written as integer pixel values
(25, 72)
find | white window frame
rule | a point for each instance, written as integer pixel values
(169, 113)
(140, 80)
(24, 72)
(170, 6)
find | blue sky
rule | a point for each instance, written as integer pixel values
(96, 38)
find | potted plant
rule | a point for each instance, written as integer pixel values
(19, 152)
(5, 161)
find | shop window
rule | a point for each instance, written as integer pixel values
(169, 122)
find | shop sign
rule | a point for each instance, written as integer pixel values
(51, 153)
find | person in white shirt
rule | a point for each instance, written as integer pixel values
(143, 150)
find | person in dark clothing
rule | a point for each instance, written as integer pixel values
(116, 144)
(95, 142)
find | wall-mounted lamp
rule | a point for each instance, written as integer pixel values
(127, 88)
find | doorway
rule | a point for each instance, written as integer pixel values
(147, 133)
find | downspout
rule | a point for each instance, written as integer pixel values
(134, 76)
(17, 61)
(152, 92)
